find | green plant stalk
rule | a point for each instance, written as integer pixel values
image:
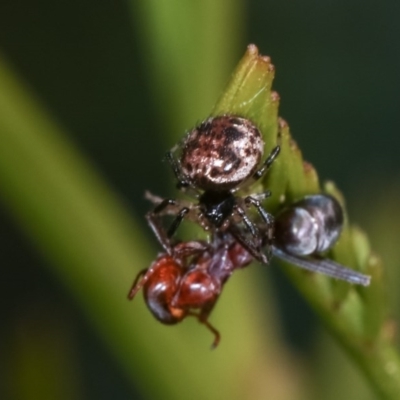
(41, 359)
(356, 316)
(188, 50)
(376, 356)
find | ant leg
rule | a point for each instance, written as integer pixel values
(267, 163)
(143, 275)
(203, 320)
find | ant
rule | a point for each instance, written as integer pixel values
(192, 279)
(194, 276)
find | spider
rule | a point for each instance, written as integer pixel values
(216, 159)
(223, 155)
(190, 280)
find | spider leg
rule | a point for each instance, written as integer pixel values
(259, 239)
(177, 221)
(267, 163)
(153, 219)
(246, 220)
(266, 217)
(268, 226)
(252, 246)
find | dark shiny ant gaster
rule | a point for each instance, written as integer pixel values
(308, 228)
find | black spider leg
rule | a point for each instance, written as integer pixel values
(177, 221)
(153, 219)
(268, 219)
(267, 163)
(271, 157)
(251, 246)
(259, 240)
(246, 220)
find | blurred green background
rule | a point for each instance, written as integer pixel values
(123, 81)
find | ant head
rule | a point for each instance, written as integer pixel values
(160, 288)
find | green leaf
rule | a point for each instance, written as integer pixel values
(356, 316)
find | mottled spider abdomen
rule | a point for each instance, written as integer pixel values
(221, 153)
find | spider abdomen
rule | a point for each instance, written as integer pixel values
(222, 152)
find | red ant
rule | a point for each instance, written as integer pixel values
(174, 286)
(193, 277)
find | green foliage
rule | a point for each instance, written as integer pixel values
(355, 315)
(95, 247)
